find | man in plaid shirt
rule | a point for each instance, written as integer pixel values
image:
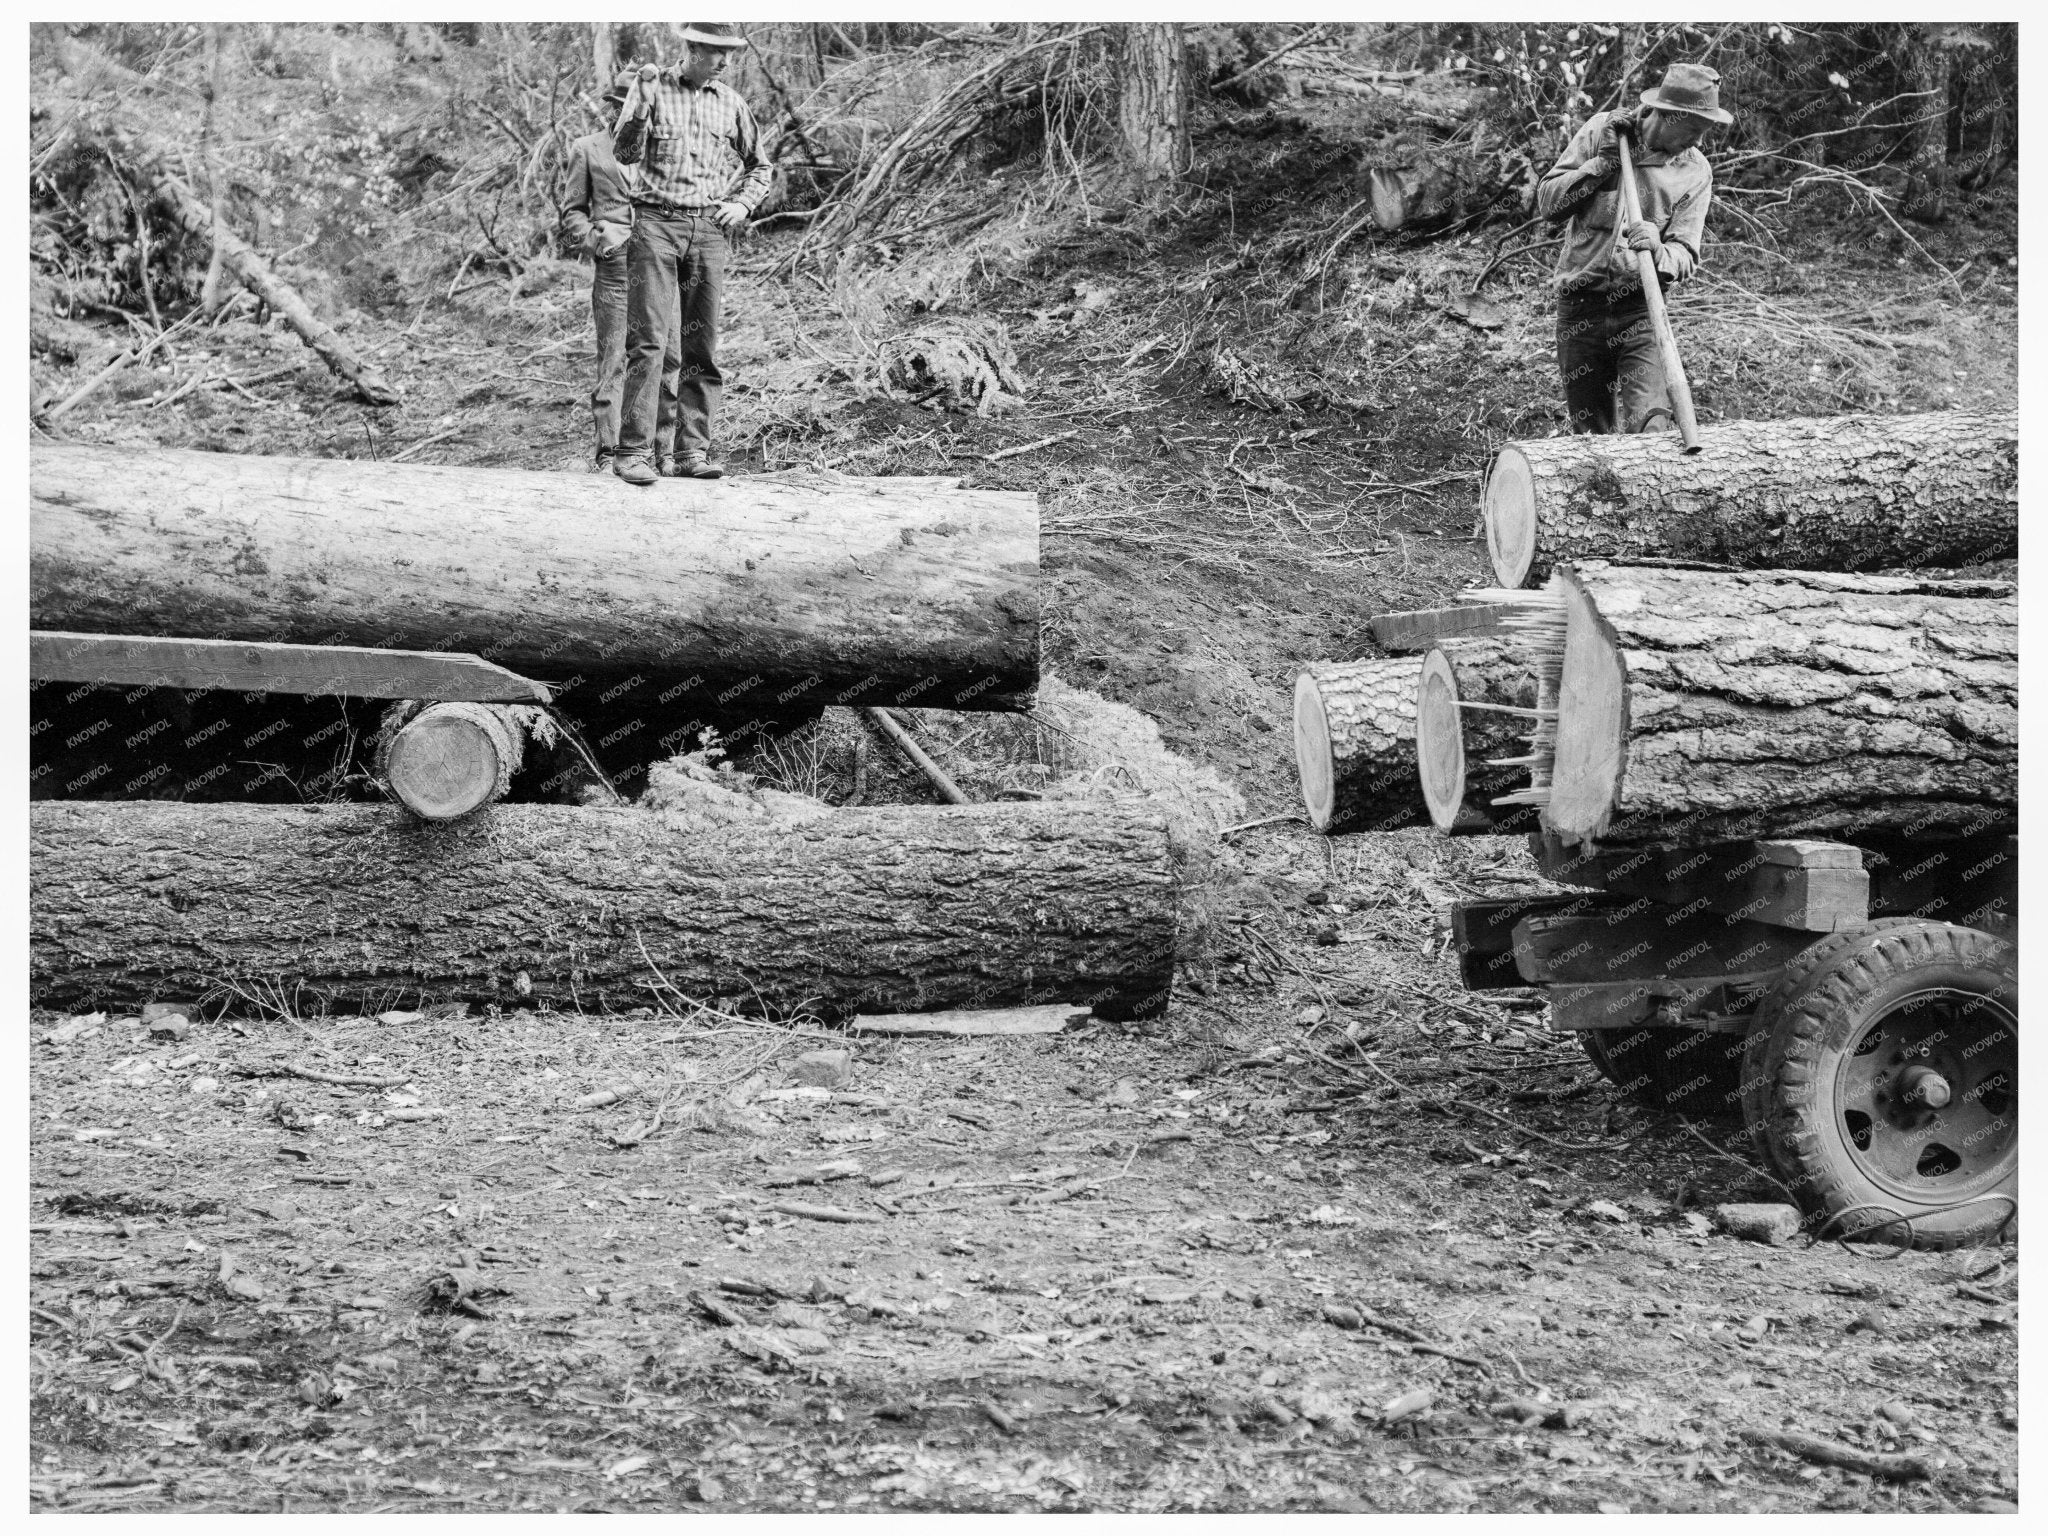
(702, 175)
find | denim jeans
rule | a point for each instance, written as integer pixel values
(675, 280)
(608, 313)
(1605, 348)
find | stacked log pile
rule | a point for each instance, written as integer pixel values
(1691, 707)
(1355, 739)
(817, 590)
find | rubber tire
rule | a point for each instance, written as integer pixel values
(1756, 1080)
(1840, 990)
(1595, 1046)
(1692, 1072)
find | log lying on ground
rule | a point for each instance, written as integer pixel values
(896, 909)
(851, 591)
(1697, 707)
(1841, 493)
(1355, 738)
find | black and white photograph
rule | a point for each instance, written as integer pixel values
(1126, 767)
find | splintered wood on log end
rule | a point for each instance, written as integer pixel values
(1508, 509)
(1312, 752)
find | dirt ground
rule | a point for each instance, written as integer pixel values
(1305, 1243)
(1207, 1265)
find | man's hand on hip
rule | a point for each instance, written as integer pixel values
(729, 216)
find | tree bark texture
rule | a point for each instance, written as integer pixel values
(893, 909)
(850, 591)
(254, 274)
(1354, 736)
(1775, 704)
(1844, 493)
(1152, 99)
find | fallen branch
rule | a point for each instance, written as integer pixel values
(1313, 34)
(126, 359)
(1833, 1453)
(716, 1310)
(821, 1212)
(1022, 448)
(339, 1080)
(1420, 1342)
(940, 780)
(254, 274)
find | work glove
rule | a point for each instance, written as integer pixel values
(1618, 125)
(1641, 236)
(729, 216)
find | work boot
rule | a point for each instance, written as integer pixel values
(634, 469)
(670, 467)
(601, 461)
(699, 466)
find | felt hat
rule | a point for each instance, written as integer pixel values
(712, 34)
(1690, 88)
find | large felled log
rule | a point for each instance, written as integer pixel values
(1355, 739)
(1841, 493)
(886, 910)
(1697, 707)
(844, 591)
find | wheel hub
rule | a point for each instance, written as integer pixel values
(1927, 1095)
(1923, 1085)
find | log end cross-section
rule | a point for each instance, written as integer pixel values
(1592, 720)
(1509, 512)
(451, 759)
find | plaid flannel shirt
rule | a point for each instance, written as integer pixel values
(695, 147)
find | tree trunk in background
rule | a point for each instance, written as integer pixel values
(211, 295)
(1152, 100)
(889, 910)
(1924, 71)
(604, 54)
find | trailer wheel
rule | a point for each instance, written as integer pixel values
(1885, 1087)
(1755, 1070)
(1693, 1072)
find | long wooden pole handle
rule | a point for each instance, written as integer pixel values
(1660, 320)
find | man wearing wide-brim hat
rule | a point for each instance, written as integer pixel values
(1605, 346)
(702, 174)
(596, 221)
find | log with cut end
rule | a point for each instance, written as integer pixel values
(1355, 737)
(1699, 707)
(851, 591)
(895, 909)
(1839, 493)
(447, 760)
(1475, 715)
